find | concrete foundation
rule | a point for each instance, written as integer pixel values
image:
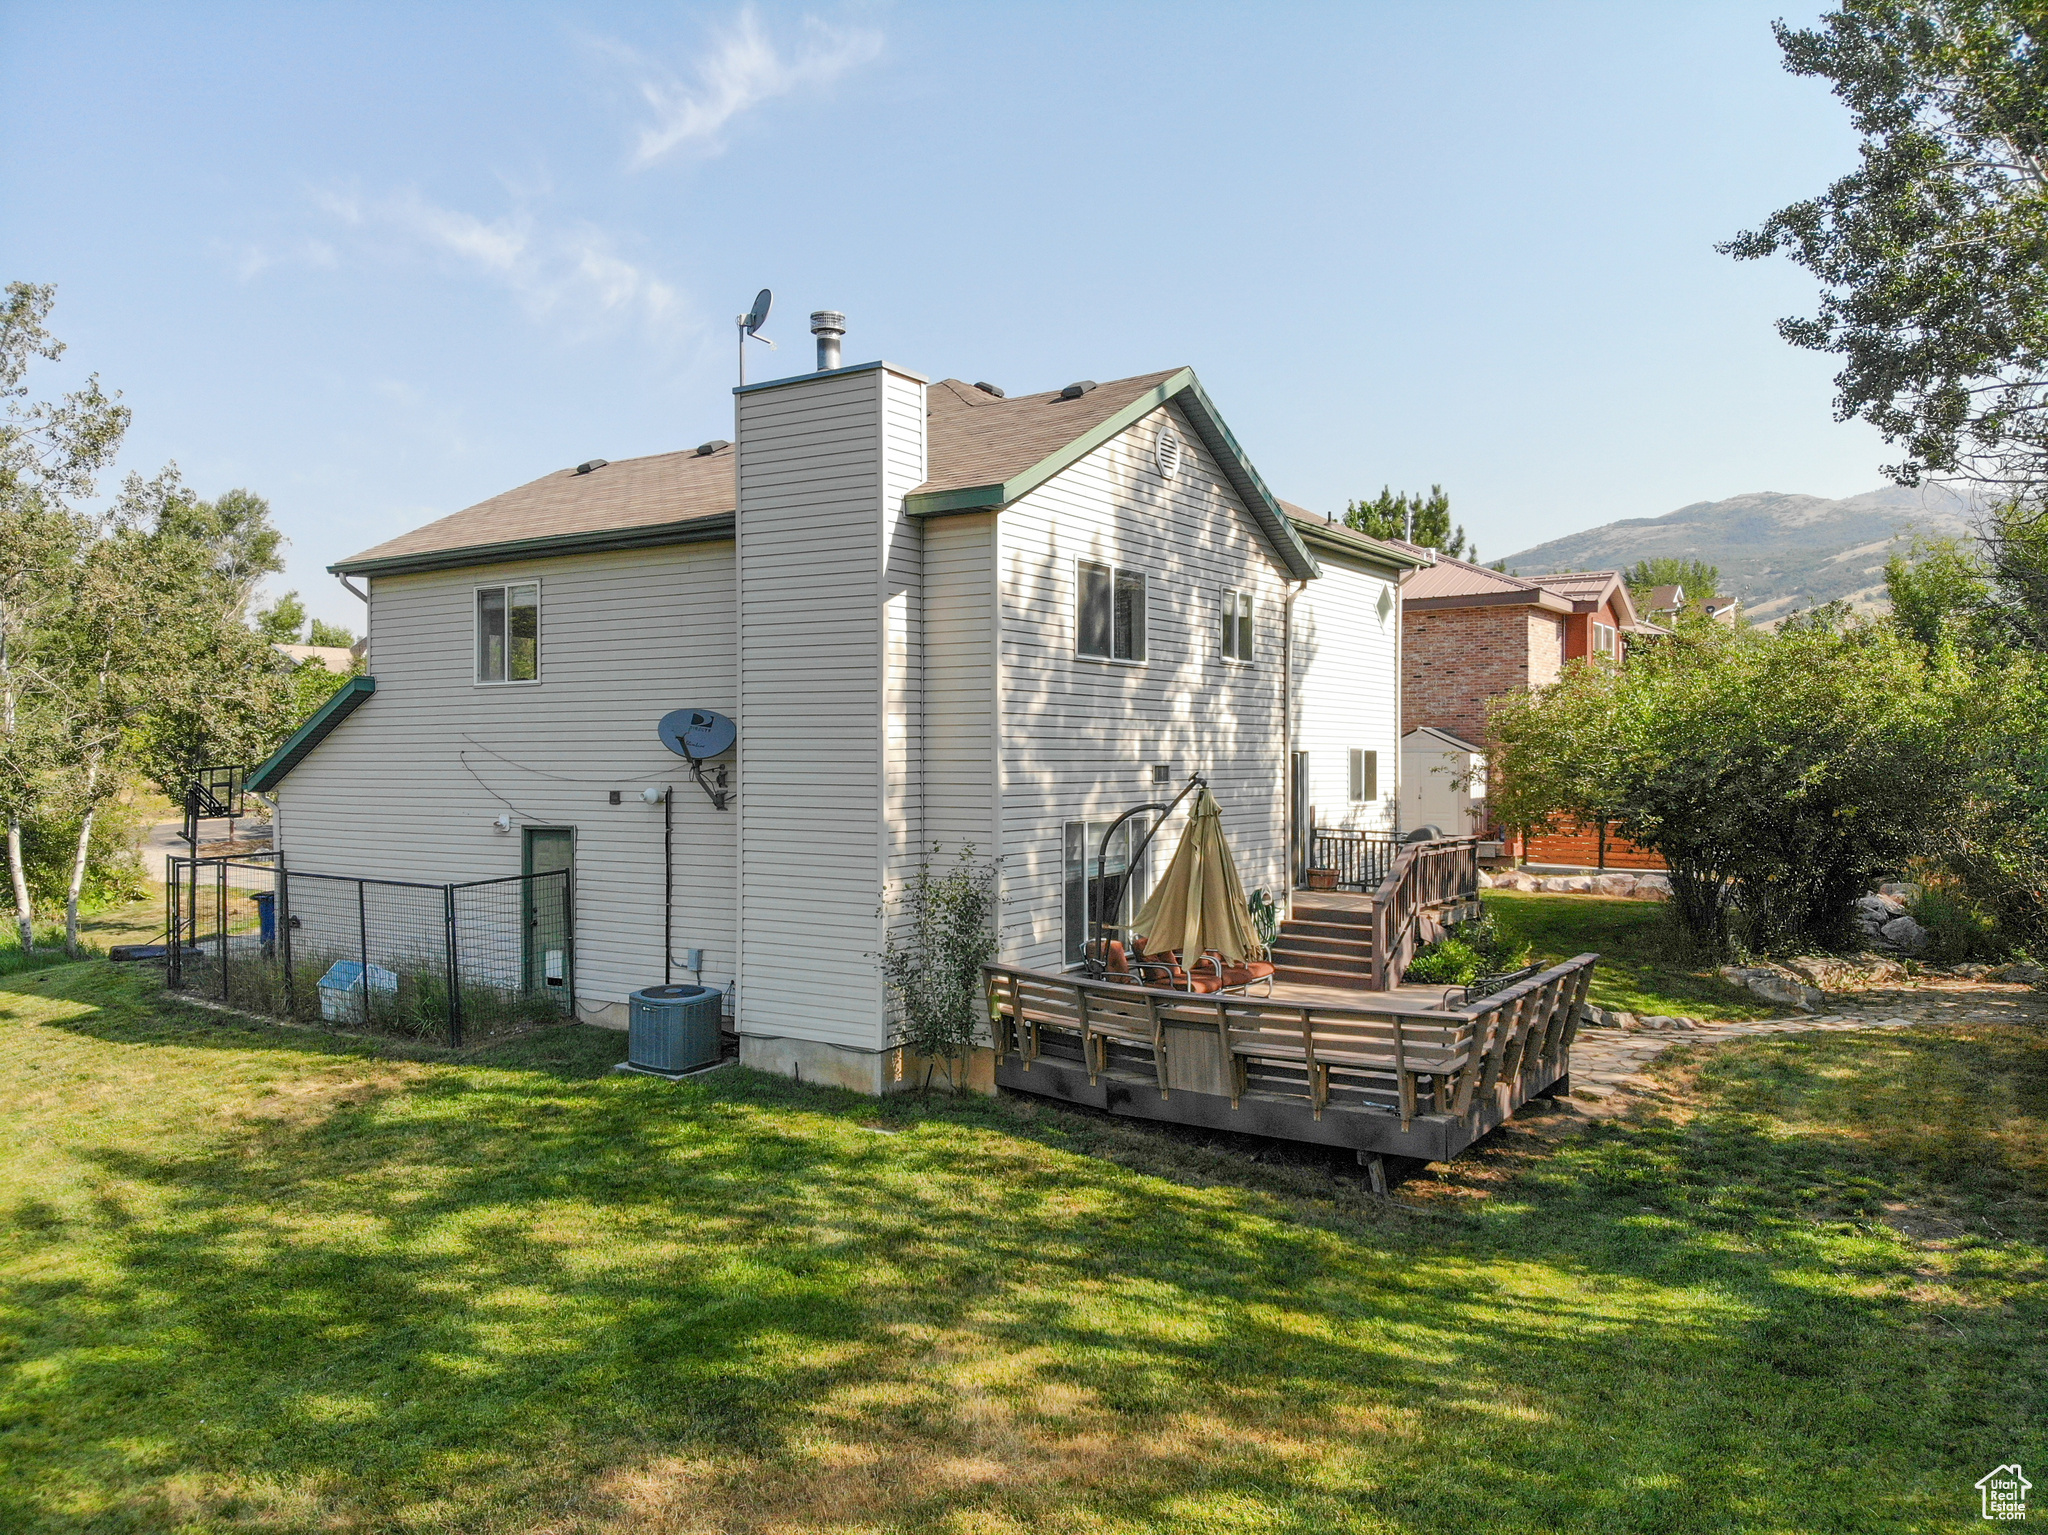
(604, 1015)
(808, 1060)
(874, 1072)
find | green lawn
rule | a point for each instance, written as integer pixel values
(1639, 971)
(258, 1279)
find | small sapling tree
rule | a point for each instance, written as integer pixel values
(942, 932)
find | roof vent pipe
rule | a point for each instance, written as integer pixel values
(828, 325)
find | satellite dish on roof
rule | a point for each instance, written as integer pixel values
(750, 324)
(697, 733)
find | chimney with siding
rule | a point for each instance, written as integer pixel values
(829, 631)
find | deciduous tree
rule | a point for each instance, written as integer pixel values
(51, 453)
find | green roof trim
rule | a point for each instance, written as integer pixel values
(346, 700)
(1209, 426)
(1339, 539)
(693, 530)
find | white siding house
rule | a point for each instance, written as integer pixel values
(942, 618)
(1347, 641)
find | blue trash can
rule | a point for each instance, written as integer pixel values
(266, 917)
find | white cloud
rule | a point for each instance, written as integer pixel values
(742, 69)
(571, 273)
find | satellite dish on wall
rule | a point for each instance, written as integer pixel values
(697, 733)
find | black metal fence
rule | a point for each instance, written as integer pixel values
(1362, 859)
(454, 960)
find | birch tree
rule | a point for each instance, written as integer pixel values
(51, 453)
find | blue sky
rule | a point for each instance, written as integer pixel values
(379, 262)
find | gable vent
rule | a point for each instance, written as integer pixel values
(1166, 450)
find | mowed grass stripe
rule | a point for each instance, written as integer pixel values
(260, 1279)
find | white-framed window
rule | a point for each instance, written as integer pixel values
(1237, 625)
(1606, 642)
(1109, 612)
(1096, 884)
(1365, 775)
(508, 632)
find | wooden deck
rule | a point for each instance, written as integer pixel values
(1373, 1072)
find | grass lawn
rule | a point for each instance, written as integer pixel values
(1639, 971)
(260, 1279)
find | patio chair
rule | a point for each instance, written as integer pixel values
(1136, 968)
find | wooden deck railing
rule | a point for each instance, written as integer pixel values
(1287, 1068)
(1425, 878)
(1362, 859)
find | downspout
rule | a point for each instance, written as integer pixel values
(1287, 713)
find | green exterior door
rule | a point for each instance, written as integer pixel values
(546, 906)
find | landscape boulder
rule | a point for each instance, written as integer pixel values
(1904, 933)
(2020, 974)
(1833, 973)
(1775, 983)
(1652, 887)
(1614, 884)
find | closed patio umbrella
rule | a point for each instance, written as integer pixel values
(1200, 904)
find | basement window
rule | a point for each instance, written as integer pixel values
(1109, 616)
(508, 632)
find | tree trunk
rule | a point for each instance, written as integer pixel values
(78, 860)
(24, 910)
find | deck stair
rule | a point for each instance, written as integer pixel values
(1327, 942)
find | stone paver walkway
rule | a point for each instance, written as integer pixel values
(1607, 1062)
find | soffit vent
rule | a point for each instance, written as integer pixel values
(1166, 451)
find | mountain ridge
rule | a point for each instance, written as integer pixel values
(1779, 551)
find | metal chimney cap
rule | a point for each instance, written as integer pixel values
(827, 322)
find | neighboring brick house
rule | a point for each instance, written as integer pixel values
(1470, 634)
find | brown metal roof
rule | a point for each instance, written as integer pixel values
(1460, 578)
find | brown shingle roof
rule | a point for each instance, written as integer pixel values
(630, 493)
(973, 438)
(975, 441)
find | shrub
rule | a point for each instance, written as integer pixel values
(1776, 773)
(1447, 962)
(943, 933)
(1468, 951)
(1958, 928)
